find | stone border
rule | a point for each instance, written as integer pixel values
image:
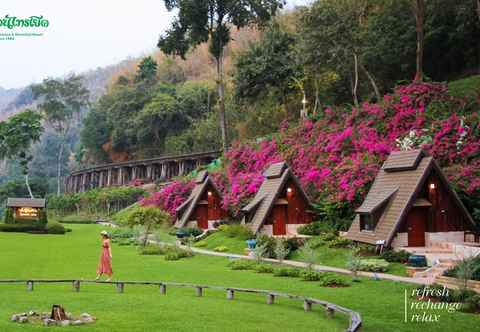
(330, 308)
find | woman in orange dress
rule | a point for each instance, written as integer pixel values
(105, 264)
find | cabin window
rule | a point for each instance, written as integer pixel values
(367, 222)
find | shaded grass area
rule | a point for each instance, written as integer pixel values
(75, 255)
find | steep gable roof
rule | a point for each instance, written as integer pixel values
(276, 176)
(410, 171)
(26, 202)
(184, 211)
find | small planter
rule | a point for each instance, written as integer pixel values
(181, 234)
(417, 261)
(251, 244)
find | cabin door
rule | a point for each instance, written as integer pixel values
(279, 220)
(202, 216)
(417, 225)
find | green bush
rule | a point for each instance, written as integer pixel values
(9, 218)
(242, 264)
(340, 242)
(263, 268)
(269, 243)
(151, 250)
(55, 228)
(287, 272)
(221, 249)
(188, 231)
(475, 266)
(329, 279)
(22, 228)
(121, 233)
(42, 217)
(174, 253)
(236, 231)
(309, 275)
(471, 304)
(373, 265)
(396, 256)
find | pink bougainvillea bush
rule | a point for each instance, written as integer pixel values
(170, 197)
(338, 155)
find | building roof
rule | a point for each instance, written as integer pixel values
(276, 176)
(26, 202)
(184, 211)
(402, 175)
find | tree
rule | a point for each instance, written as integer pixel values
(149, 218)
(61, 101)
(211, 20)
(17, 134)
(147, 71)
(419, 12)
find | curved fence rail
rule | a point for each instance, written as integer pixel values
(308, 302)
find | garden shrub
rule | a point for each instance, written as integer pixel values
(373, 265)
(9, 218)
(42, 217)
(340, 242)
(151, 249)
(121, 233)
(55, 228)
(475, 266)
(221, 249)
(396, 256)
(268, 243)
(471, 304)
(241, 264)
(22, 228)
(329, 279)
(287, 272)
(188, 231)
(310, 275)
(174, 253)
(263, 268)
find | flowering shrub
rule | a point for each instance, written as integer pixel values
(170, 197)
(337, 157)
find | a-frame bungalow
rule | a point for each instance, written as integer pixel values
(412, 204)
(203, 207)
(280, 205)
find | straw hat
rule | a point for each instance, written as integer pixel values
(104, 233)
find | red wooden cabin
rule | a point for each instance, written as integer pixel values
(412, 204)
(203, 206)
(280, 205)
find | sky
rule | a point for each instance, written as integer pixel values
(82, 35)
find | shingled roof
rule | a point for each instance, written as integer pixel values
(185, 210)
(26, 202)
(276, 176)
(397, 184)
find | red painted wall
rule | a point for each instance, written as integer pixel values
(214, 209)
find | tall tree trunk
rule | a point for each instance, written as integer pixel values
(221, 102)
(59, 166)
(355, 80)
(27, 183)
(419, 10)
(372, 82)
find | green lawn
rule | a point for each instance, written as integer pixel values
(381, 303)
(234, 245)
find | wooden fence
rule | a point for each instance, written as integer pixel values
(308, 302)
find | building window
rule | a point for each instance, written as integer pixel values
(367, 222)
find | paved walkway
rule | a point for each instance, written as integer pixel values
(321, 268)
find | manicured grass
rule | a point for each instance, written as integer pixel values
(234, 245)
(381, 303)
(469, 86)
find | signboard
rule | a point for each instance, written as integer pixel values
(27, 212)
